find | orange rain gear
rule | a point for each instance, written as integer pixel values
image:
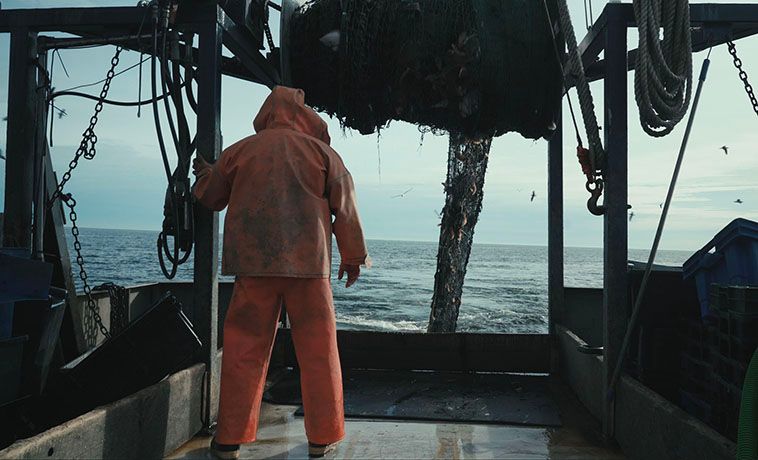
(249, 331)
(282, 186)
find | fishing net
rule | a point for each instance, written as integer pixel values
(476, 67)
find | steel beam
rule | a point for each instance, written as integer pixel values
(615, 226)
(239, 42)
(205, 309)
(54, 19)
(104, 23)
(734, 13)
(40, 151)
(714, 25)
(73, 338)
(702, 39)
(19, 168)
(555, 226)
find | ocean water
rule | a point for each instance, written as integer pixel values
(505, 289)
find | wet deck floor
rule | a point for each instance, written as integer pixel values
(282, 435)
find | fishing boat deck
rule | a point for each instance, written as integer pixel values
(282, 435)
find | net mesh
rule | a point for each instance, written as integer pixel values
(476, 67)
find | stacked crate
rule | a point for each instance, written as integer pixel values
(733, 340)
(696, 382)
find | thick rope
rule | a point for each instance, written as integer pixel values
(663, 76)
(586, 102)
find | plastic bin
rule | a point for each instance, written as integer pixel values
(158, 343)
(743, 299)
(731, 258)
(11, 359)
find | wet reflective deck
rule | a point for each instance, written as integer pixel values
(282, 435)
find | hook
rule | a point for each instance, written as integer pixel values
(595, 192)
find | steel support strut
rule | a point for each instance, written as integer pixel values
(615, 224)
(40, 151)
(19, 168)
(205, 306)
(555, 265)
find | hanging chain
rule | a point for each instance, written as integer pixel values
(119, 300)
(743, 76)
(87, 147)
(91, 304)
(267, 29)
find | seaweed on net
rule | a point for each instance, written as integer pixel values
(476, 67)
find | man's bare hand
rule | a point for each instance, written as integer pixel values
(353, 272)
(199, 166)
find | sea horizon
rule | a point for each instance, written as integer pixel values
(412, 240)
(505, 288)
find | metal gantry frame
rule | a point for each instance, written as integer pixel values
(27, 145)
(712, 25)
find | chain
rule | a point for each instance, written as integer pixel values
(267, 29)
(119, 299)
(91, 304)
(87, 147)
(743, 76)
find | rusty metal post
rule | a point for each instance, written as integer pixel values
(615, 242)
(40, 151)
(205, 307)
(555, 264)
(19, 168)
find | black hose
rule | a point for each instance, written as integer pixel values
(162, 237)
(164, 87)
(183, 152)
(179, 178)
(189, 74)
(108, 101)
(184, 160)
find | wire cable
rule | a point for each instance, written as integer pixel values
(86, 85)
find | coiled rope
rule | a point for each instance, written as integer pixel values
(663, 76)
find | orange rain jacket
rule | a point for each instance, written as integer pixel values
(282, 186)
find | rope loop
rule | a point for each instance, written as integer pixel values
(663, 75)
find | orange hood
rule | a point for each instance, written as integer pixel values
(285, 108)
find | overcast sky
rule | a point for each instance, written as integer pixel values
(124, 186)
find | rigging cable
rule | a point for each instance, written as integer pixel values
(86, 85)
(586, 103)
(591, 159)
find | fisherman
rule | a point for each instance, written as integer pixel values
(282, 186)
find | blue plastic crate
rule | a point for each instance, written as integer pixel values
(730, 258)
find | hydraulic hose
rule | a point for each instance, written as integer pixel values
(182, 144)
(162, 237)
(189, 73)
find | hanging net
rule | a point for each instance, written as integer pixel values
(476, 67)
